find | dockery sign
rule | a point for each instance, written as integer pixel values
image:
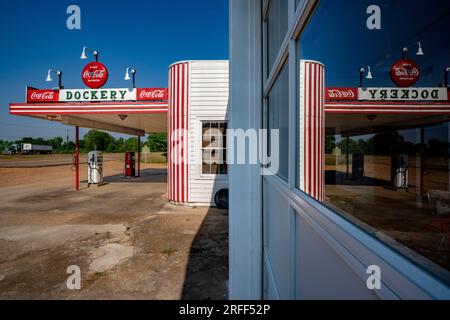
(403, 94)
(388, 94)
(97, 95)
(87, 95)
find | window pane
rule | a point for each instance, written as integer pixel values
(388, 169)
(277, 23)
(278, 118)
(205, 127)
(206, 169)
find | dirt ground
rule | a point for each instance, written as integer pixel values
(128, 242)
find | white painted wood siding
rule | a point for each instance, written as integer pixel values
(208, 101)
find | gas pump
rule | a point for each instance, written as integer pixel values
(129, 171)
(95, 167)
(399, 171)
(358, 166)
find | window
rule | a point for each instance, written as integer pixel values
(214, 148)
(278, 118)
(277, 23)
(389, 170)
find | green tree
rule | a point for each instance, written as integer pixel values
(131, 144)
(56, 143)
(157, 142)
(96, 140)
(330, 143)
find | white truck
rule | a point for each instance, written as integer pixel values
(29, 148)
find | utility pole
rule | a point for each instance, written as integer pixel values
(67, 139)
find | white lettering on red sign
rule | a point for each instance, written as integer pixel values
(94, 74)
(46, 95)
(341, 94)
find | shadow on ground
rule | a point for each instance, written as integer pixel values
(207, 268)
(146, 176)
(334, 177)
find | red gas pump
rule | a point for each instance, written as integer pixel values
(129, 170)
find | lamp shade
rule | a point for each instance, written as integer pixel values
(83, 54)
(419, 49)
(127, 75)
(49, 77)
(369, 73)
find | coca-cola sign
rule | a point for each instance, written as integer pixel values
(94, 75)
(341, 94)
(34, 95)
(405, 73)
(147, 94)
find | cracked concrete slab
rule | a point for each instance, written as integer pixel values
(128, 242)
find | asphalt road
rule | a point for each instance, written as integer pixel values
(21, 161)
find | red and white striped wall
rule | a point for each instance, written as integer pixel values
(177, 135)
(312, 128)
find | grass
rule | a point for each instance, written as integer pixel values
(169, 250)
(337, 160)
(98, 275)
(153, 157)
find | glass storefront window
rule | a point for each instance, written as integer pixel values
(390, 170)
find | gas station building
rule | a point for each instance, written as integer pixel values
(195, 101)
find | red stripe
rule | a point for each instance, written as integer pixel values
(409, 112)
(169, 136)
(65, 104)
(168, 139)
(309, 127)
(182, 127)
(177, 166)
(313, 129)
(381, 103)
(21, 112)
(316, 129)
(171, 132)
(90, 108)
(322, 134)
(402, 108)
(304, 135)
(187, 132)
(174, 129)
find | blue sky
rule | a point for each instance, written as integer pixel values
(147, 35)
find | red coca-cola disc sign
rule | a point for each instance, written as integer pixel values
(405, 73)
(95, 75)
